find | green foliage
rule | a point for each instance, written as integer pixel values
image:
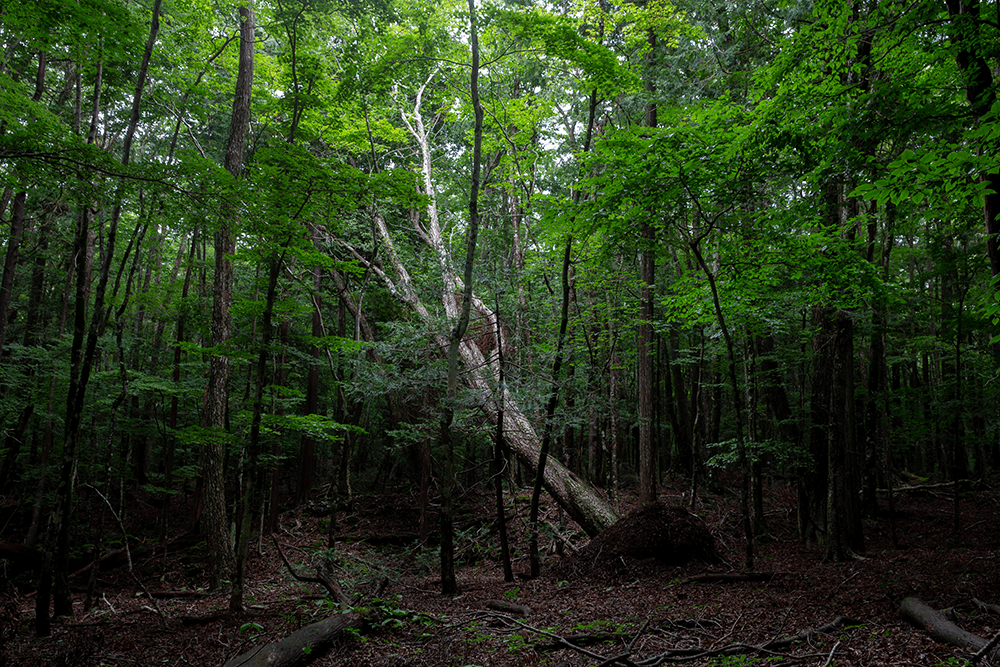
(561, 38)
(388, 615)
(782, 455)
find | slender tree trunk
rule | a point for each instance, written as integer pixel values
(251, 471)
(82, 359)
(499, 460)
(844, 531)
(748, 537)
(981, 95)
(550, 410)
(644, 352)
(449, 586)
(307, 454)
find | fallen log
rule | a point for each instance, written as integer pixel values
(940, 628)
(301, 647)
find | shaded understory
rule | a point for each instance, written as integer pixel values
(642, 609)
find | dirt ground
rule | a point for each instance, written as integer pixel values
(638, 610)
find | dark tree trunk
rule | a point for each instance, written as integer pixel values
(845, 533)
(449, 586)
(82, 359)
(307, 455)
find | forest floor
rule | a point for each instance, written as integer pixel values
(643, 608)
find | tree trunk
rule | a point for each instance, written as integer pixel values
(448, 583)
(82, 358)
(578, 498)
(498, 466)
(644, 352)
(222, 556)
(307, 454)
(981, 95)
(844, 528)
(550, 410)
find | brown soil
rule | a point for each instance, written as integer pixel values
(641, 609)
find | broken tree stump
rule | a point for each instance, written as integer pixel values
(301, 647)
(940, 628)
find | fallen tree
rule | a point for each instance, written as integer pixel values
(302, 646)
(942, 630)
(580, 500)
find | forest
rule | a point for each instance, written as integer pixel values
(286, 262)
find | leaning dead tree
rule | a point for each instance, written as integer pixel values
(481, 371)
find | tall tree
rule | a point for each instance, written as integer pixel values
(223, 559)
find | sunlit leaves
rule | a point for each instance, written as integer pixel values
(559, 37)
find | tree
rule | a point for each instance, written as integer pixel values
(217, 393)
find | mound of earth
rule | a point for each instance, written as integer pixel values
(667, 533)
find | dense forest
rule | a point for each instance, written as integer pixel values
(265, 254)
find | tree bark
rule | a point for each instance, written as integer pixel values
(223, 558)
(940, 628)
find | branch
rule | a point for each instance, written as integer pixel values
(321, 578)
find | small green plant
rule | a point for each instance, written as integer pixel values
(512, 594)
(516, 642)
(388, 614)
(252, 629)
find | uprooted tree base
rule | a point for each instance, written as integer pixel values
(668, 534)
(643, 611)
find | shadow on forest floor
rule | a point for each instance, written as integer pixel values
(643, 610)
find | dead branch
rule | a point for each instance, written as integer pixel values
(769, 648)
(170, 595)
(981, 653)
(580, 639)
(321, 578)
(838, 623)
(986, 607)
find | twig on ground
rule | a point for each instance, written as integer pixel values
(829, 658)
(642, 630)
